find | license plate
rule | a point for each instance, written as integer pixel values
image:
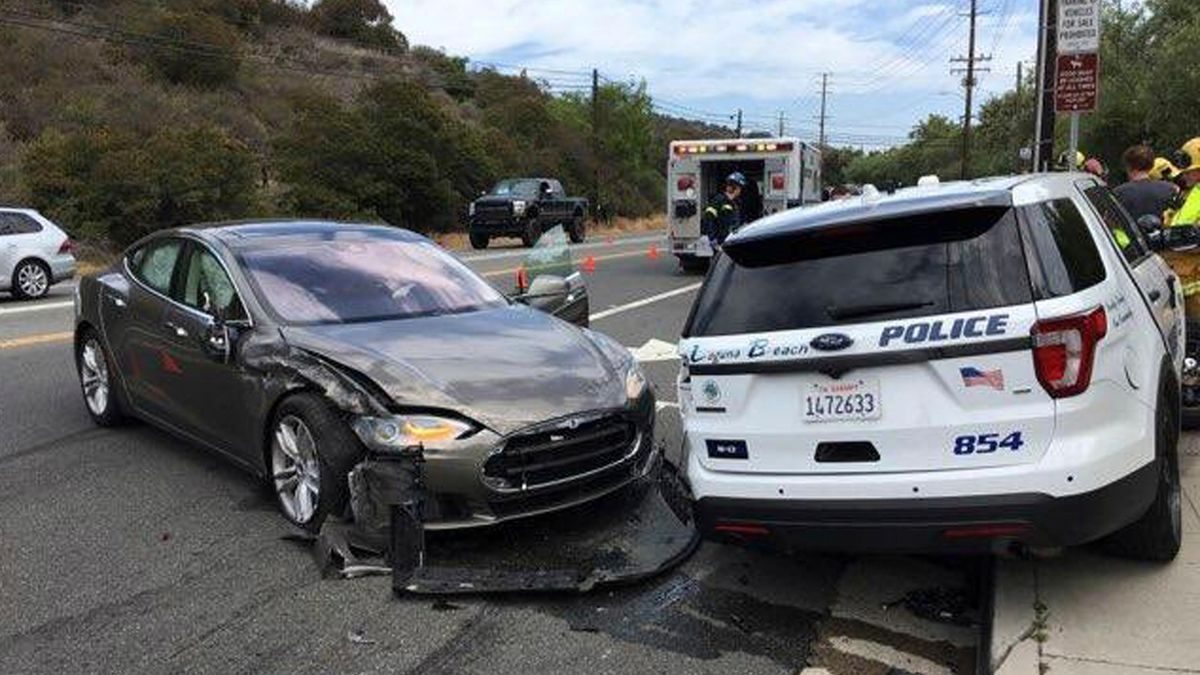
(842, 400)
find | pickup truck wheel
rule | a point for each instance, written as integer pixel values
(479, 241)
(531, 234)
(577, 230)
(1158, 534)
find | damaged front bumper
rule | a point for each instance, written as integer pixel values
(624, 537)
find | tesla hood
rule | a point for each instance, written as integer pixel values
(506, 368)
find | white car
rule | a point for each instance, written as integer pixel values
(950, 368)
(35, 253)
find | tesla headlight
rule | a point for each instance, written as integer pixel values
(402, 432)
(635, 382)
(519, 207)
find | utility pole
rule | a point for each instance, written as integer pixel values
(596, 143)
(824, 99)
(969, 83)
(739, 123)
(1017, 161)
(781, 124)
(1043, 146)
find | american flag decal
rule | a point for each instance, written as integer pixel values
(974, 377)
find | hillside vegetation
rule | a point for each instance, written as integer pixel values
(121, 117)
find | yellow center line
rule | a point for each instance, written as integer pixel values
(31, 340)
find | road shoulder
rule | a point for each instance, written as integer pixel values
(1086, 612)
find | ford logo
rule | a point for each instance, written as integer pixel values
(831, 342)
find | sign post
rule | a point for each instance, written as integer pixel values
(1077, 82)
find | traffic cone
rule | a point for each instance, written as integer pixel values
(653, 252)
(522, 279)
(589, 264)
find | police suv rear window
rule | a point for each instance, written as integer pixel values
(1064, 259)
(935, 263)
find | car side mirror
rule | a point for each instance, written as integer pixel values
(556, 295)
(217, 340)
(1155, 240)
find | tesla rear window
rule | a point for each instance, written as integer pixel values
(932, 264)
(363, 277)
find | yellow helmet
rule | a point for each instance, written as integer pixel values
(1080, 158)
(1187, 158)
(1163, 169)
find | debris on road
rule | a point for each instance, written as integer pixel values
(356, 637)
(943, 605)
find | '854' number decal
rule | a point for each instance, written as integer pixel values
(984, 444)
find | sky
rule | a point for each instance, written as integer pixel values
(888, 60)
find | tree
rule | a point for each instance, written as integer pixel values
(392, 155)
(193, 49)
(366, 22)
(106, 184)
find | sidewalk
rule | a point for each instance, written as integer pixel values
(1086, 613)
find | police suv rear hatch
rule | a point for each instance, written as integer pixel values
(895, 342)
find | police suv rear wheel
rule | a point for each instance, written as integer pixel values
(479, 241)
(1158, 534)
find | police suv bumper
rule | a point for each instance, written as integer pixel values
(963, 525)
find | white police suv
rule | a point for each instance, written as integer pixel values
(952, 368)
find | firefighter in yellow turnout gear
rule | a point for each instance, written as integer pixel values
(1188, 161)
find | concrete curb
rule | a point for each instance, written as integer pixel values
(1018, 622)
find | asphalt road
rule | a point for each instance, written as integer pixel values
(130, 551)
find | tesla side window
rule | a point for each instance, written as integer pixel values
(359, 277)
(208, 288)
(155, 264)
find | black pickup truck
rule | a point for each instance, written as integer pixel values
(525, 208)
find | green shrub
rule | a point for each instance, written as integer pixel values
(106, 185)
(198, 50)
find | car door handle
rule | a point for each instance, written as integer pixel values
(1155, 295)
(178, 330)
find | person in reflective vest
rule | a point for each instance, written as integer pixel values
(1188, 161)
(723, 216)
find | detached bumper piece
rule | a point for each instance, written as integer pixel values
(630, 535)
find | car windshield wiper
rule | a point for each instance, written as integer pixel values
(860, 311)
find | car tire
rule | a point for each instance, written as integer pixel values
(308, 464)
(97, 381)
(531, 234)
(578, 230)
(31, 280)
(1191, 393)
(479, 241)
(1158, 535)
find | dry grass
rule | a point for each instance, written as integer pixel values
(457, 241)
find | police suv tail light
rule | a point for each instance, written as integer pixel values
(1065, 349)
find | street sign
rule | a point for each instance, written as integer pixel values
(1077, 85)
(1078, 26)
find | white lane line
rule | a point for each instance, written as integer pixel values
(523, 252)
(4, 311)
(643, 302)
